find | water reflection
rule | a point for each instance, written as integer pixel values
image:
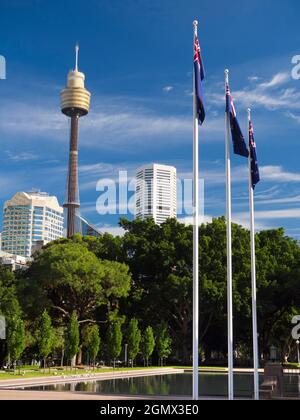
(176, 384)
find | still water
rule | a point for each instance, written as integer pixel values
(211, 385)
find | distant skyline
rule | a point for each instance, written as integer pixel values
(138, 60)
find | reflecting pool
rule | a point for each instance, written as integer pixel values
(210, 385)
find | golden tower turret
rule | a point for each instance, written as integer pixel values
(75, 103)
(75, 99)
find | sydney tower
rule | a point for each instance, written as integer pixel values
(75, 103)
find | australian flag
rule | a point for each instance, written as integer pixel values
(239, 144)
(253, 157)
(199, 76)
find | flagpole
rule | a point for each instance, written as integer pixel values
(229, 253)
(253, 279)
(195, 243)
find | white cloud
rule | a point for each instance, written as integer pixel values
(257, 97)
(270, 95)
(30, 120)
(168, 88)
(21, 156)
(253, 78)
(271, 214)
(113, 230)
(190, 220)
(277, 80)
(283, 200)
(278, 174)
(112, 123)
(293, 116)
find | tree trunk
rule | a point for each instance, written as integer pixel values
(73, 361)
(79, 357)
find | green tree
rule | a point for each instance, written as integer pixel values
(73, 339)
(93, 276)
(9, 303)
(147, 344)
(133, 339)
(114, 340)
(106, 247)
(67, 276)
(163, 342)
(160, 261)
(15, 339)
(45, 337)
(10, 309)
(59, 342)
(92, 341)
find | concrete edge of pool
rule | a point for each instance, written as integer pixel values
(14, 389)
(53, 380)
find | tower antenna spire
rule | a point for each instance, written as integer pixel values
(76, 56)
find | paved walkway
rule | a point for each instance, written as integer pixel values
(13, 389)
(9, 395)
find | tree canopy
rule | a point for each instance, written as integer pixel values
(146, 275)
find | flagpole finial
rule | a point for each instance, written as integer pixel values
(195, 24)
(226, 76)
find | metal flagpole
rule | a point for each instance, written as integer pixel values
(195, 243)
(253, 277)
(229, 252)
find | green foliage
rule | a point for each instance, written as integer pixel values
(163, 341)
(147, 343)
(69, 277)
(160, 260)
(9, 304)
(147, 275)
(117, 280)
(133, 339)
(66, 276)
(59, 338)
(91, 341)
(73, 337)
(15, 338)
(114, 340)
(45, 335)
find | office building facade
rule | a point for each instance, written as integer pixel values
(156, 192)
(30, 219)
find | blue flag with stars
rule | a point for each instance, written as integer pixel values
(239, 144)
(199, 77)
(255, 177)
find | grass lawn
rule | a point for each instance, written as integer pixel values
(212, 368)
(35, 372)
(39, 373)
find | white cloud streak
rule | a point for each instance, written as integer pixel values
(107, 126)
(168, 88)
(271, 94)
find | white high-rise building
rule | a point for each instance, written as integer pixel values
(156, 192)
(30, 220)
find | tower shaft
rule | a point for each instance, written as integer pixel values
(72, 205)
(75, 103)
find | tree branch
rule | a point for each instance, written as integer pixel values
(61, 310)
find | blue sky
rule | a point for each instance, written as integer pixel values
(137, 56)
